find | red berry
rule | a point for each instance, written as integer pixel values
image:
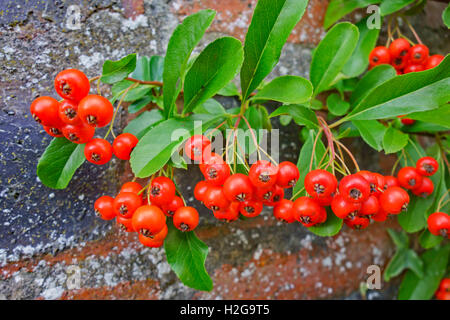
(375, 182)
(216, 173)
(407, 121)
(277, 194)
(439, 224)
(390, 181)
(379, 55)
(357, 222)
(427, 166)
(251, 208)
(284, 211)
(155, 241)
(320, 183)
(98, 151)
(162, 190)
(425, 189)
(45, 111)
(54, 132)
(196, 145)
(344, 209)
(307, 211)
(104, 207)
(230, 214)
(288, 174)
(370, 207)
(399, 63)
(380, 216)
(445, 285)
(200, 190)
(323, 215)
(95, 111)
(433, 61)
(238, 188)
(78, 134)
(72, 84)
(124, 224)
(209, 158)
(399, 48)
(131, 186)
(413, 68)
(148, 220)
(186, 219)
(418, 54)
(394, 200)
(215, 199)
(324, 202)
(124, 144)
(354, 188)
(174, 204)
(68, 112)
(409, 178)
(126, 203)
(263, 174)
(443, 295)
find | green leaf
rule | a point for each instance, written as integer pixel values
(142, 70)
(137, 93)
(405, 94)
(371, 80)
(286, 89)
(413, 151)
(144, 122)
(420, 126)
(156, 147)
(139, 104)
(186, 255)
(339, 8)
(439, 116)
(388, 6)
(271, 24)
(446, 16)
(59, 162)
(404, 259)
(212, 70)
(230, 90)
(394, 140)
(330, 227)
(304, 160)
(156, 68)
(301, 114)
(359, 60)
(372, 132)
(336, 105)
(400, 238)
(435, 263)
(210, 106)
(428, 240)
(115, 71)
(331, 55)
(183, 40)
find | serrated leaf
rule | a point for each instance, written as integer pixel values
(59, 162)
(301, 114)
(271, 24)
(115, 71)
(186, 255)
(183, 40)
(331, 55)
(144, 122)
(336, 105)
(372, 132)
(394, 140)
(212, 70)
(286, 89)
(405, 94)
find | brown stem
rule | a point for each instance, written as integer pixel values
(330, 138)
(314, 148)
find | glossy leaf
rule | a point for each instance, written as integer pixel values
(359, 61)
(412, 92)
(183, 40)
(439, 116)
(271, 24)
(336, 105)
(372, 132)
(446, 16)
(156, 68)
(186, 255)
(59, 162)
(139, 104)
(215, 67)
(331, 55)
(115, 71)
(229, 90)
(394, 140)
(301, 114)
(286, 89)
(210, 106)
(144, 122)
(435, 265)
(428, 240)
(339, 8)
(404, 259)
(400, 238)
(142, 70)
(330, 227)
(389, 6)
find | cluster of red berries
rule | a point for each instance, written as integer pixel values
(229, 195)
(78, 114)
(443, 293)
(147, 215)
(404, 57)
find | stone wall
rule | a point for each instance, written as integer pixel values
(44, 231)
